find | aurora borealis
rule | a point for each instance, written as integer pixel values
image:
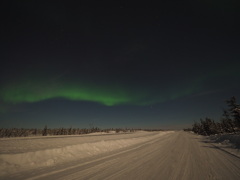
(117, 64)
(108, 95)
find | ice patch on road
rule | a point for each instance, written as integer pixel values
(10, 163)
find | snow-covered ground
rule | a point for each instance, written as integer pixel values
(140, 155)
(20, 154)
(227, 142)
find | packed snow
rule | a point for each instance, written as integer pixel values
(19, 154)
(140, 155)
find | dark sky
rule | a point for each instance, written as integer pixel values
(117, 64)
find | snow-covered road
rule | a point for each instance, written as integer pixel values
(173, 155)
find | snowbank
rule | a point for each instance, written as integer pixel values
(227, 142)
(13, 162)
(233, 139)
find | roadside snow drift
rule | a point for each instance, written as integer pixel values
(12, 161)
(227, 139)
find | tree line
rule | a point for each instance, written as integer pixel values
(23, 132)
(229, 122)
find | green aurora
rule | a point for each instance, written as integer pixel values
(34, 92)
(109, 95)
(29, 90)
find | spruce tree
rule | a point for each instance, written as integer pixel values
(234, 110)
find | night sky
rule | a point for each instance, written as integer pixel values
(117, 64)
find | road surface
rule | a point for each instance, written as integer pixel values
(178, 155)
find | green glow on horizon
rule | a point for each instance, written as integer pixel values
(34, 92)
(109, 95)
(32, 88)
